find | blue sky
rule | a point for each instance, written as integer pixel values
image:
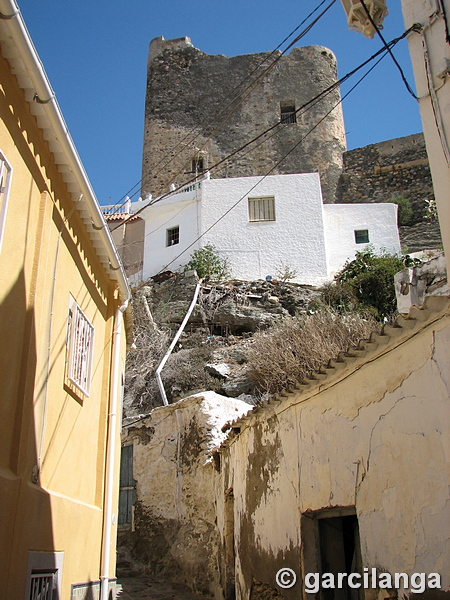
(95, 55)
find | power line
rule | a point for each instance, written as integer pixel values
(274, 167)
(305, 107)
(215, 118)
(249, 90)
(405, 81)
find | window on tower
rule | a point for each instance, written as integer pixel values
(287, 112)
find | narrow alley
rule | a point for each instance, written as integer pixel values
(145, 588)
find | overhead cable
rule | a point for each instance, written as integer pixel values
(304, 107)
(215, 118)
(274, 167)
(377, 29)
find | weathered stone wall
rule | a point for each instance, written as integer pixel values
(187, 89)
(174, 535)
(368, 438)
(390, 170)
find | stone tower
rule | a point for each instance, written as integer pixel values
(187, 90)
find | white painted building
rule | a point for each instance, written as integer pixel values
(262, 224)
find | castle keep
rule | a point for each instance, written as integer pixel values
(201, 109)
(193, 119)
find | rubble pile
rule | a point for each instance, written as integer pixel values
(212, 350)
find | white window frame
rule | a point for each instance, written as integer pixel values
(6, 171)
(261, 209)
(169, 232)
(80, 347)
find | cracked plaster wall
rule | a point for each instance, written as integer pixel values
(174, 534)
(377, 440)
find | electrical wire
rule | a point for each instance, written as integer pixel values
(311, 102)
(215, 118)
(249, 90)
(275, 166)
(405, 81)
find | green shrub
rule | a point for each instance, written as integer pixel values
(405, 213)
(339, 296)
(208, 263)
(371, 278)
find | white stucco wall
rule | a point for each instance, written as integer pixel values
(341, 221)
(255, 249)
(313, 239)
(180, 210)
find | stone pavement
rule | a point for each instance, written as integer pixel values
(145, 588)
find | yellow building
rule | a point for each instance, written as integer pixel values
(64, 325)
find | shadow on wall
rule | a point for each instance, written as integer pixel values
(25, 516)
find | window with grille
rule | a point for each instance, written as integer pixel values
(80, 348)
(5, 184)
(43, 585)
(287, 112)
(261, 209)
(198, 165)
(173, 236)
(362, 236)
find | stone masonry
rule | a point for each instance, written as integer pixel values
(390, 170)
(187, 117)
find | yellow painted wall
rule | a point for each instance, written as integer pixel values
(52, 437)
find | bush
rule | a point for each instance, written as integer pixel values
(289, 351)
(405, 214)
(285, 272)
(371, 278)
(209, 265)
(339, 296)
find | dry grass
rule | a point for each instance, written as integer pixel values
(151, 343)
(287, 352)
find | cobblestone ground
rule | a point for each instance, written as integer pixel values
(143, 588)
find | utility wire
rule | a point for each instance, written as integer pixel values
(249, 90)
(215, 118)
(405, 81)
(275, 166)
(312, 102)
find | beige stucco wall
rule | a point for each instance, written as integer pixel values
(174, 533)
(52, 437)
(374, 437)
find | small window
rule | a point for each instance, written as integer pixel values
(43, 585)
(261, 209)
(5, 184)
(198, 165)
(288, 114)
(362, 236)
(80, 344)
(173, 236)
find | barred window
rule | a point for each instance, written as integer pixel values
(261, 209)
(5, 184)
(287, 112)
(43, 585)
(80, 347)
(173, 236)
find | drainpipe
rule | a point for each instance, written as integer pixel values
(114, 406)
(172, 346)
